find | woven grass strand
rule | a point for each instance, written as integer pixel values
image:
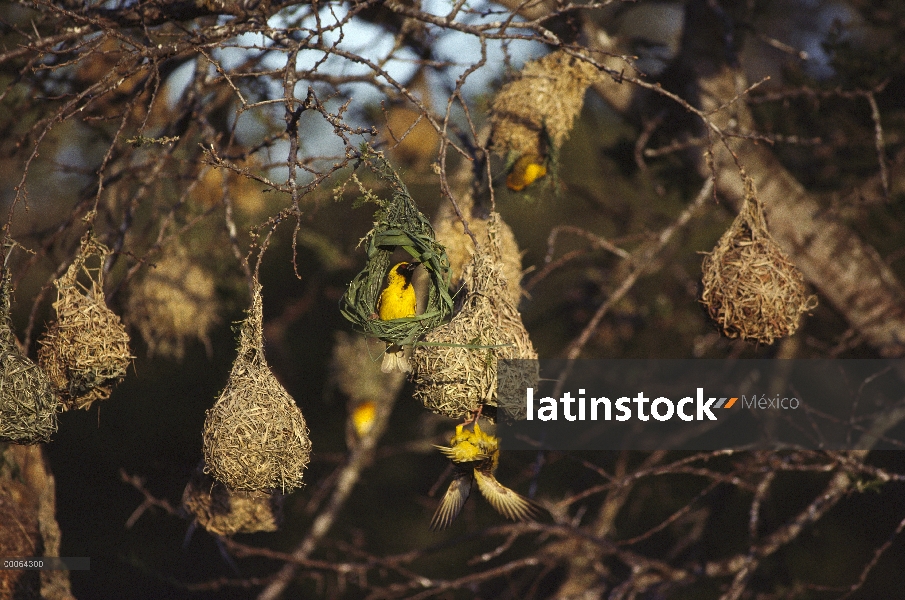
(255, 436)
(28, 406)
(750, 288)
(456, 381)
(398, 224)
(85, 352)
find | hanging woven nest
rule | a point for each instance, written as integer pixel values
(225, 512)
(456, 366)
(532, 115)
(174, 303)
(398, 224)
(461, 250)
(255, 437)
(28, 406)
(750, 288)
(85, 352)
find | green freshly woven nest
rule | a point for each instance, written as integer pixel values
(28, 406)
(85, 352)
(398, 224)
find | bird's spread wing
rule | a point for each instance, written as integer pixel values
(452, 502)
(505, 501)
(462, 453)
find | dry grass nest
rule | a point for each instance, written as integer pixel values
(255, 437)
(28, 406)
(461, 250)
(222, 511)
(85, 352)
(176, 302)
(538, 108)
(750, 288)
(455, 380)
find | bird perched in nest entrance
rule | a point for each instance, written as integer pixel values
(475, 455)
(397, 301)
(526, 170)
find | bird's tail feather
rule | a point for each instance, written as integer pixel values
(394, 360)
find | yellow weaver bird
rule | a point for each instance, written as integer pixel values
(526, 170)
(363, 418)
(475, 455)
(397, 301)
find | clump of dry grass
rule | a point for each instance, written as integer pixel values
(174, 303)
(222, 511)
(750, 288)
(537, 109)
(461, 250)
(85, 352)
(255, 437)
(28, 406)
(456, 368)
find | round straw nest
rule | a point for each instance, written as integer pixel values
(461, 250)
(174, 303)
(28, 406)
(85, 352)
(537, 109)
(225, 512)
(457, 366)
(255, 437)
(750, 288)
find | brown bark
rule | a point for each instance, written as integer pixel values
(28, 525)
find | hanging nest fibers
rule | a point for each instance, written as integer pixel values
(255, 437)
(28, 406)
(85, 353)
(456, 365)
(461, 250)
(532, 115)
(398, 224)
(174, 303)
(750, 288)
(222, 511)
